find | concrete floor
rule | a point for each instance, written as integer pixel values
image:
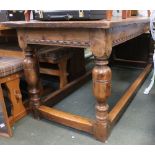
(136, 126)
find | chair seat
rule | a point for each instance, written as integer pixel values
(9, 65)
(53, 54)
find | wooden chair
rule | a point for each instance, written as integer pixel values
(58, 56)
(10, 73)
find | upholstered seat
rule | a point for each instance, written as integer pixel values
(9, 65)
(10, 73)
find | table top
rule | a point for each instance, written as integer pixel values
(75, 24)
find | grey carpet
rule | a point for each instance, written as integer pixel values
(136, 126)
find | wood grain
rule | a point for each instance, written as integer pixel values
(11, 50)
(67, 119)
(18, 109)
(76, 24)
(124, 100)
(3, 27)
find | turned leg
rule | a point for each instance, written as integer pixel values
(101, 89)
(31, 70)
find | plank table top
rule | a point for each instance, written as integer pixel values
(105, 24)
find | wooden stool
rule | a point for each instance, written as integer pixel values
(55, 55)
(10, 73)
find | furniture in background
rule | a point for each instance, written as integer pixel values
(5, 129)
(124, 13)
(70, 66)
(10, 73)
(58, 56)
(70, 63)
(9, 43)
(10, 50)
(135, 52)
(108, 14)
(75, 64)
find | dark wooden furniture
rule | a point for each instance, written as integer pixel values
(7, 50)
(100, 36)
(5, 129)
(9, 43)
(10, 73)
(57, 56)
(138, 52)
(70, 63)
(77, 65)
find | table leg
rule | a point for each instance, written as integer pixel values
(102, 89)
(31, 70)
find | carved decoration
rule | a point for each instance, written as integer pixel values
(100, 43)
(73, 43)
(124, 33)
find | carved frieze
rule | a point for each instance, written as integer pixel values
(124, 33)
(71, 43)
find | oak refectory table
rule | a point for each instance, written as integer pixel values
(100, 36)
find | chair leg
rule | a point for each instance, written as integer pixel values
(63, 72)
(6, 131)
(18, 109)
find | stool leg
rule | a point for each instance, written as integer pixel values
(5, 116)
(63, 72)
(18, 109)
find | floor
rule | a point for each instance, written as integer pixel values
(136, 126)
